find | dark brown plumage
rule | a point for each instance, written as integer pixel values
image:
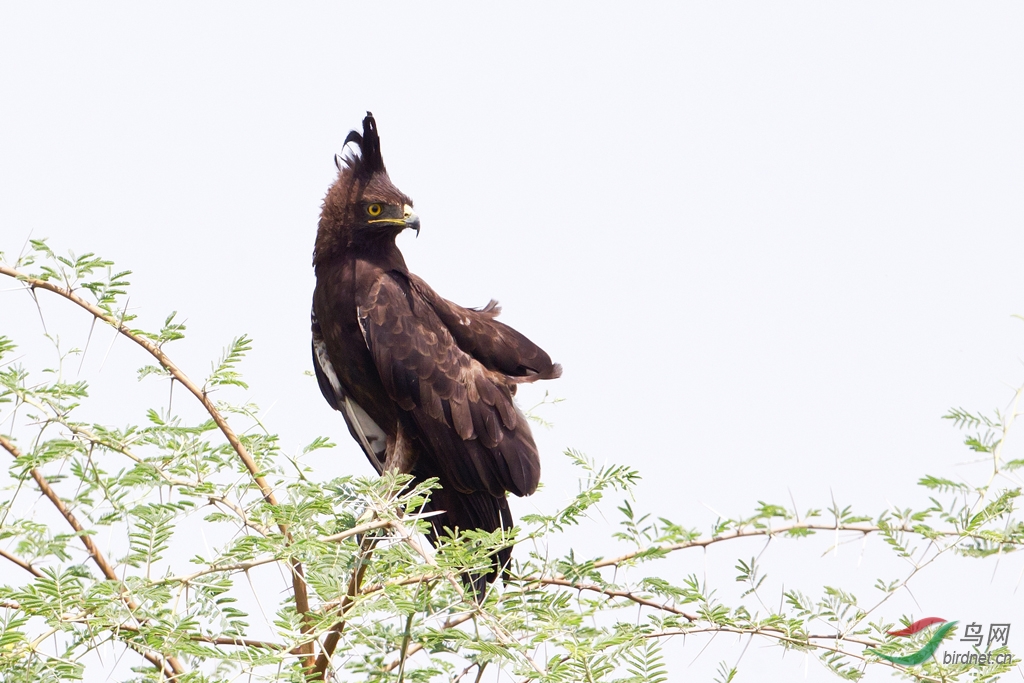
(426, 386)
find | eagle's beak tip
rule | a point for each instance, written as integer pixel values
(412, 220)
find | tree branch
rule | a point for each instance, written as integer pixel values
(165, 362)
(20, 562)
(416, 647)
(94, 552)
(298, 577)
(767, 531)
(84, 617)
(96, 440)
(323, 660)
(267, 559)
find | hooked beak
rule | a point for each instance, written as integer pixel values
(412, 220)
(408, 220)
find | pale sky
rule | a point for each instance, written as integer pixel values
(770, 243)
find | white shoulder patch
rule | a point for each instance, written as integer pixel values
(325, 366)
(367, 432)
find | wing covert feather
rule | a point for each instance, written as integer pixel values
(494, 344)
(464, 409)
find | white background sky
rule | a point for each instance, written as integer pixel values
(771, 244)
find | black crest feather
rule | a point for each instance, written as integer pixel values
(369, 160)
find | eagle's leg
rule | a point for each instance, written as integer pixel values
(398, 454)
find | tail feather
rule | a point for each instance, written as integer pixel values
(478, 510)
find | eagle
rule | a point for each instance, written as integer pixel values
(426, 386)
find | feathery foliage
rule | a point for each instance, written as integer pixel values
(301, 578)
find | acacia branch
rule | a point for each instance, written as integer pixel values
(694, 618)
(20, 562)
(864, 529)
(416, 647)
(354, 590)
(778, 634)
(96, 440)
(496, 628)
(84, 617)
(805, 641)
(298, 577)
(378, 587)
(219, 640)
(94, 552)
(267, 559)
(323, 660)
(187, 484)
(787, 639)
(616, 593)
(165, 362)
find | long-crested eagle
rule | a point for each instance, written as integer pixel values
(425, 385)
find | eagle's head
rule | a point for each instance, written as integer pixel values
(363, 206)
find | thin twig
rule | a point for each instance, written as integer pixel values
(162, 358)
(266, 559)
(218, 640)
(20, 562)
(298, 576)
(94, 552)
(84, 617)
(760, 532)
(416, 647)
(616, 593)
(190, 484)
(330, 643)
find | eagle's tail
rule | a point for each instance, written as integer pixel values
(478, 510)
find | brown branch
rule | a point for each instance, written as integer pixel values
(789, 640)
(465, 672)
(97, 556)
(323, 660)
(94, 552)
(755, 533)
(162, 358)
(218, 640)
(20, 562)
(197, 637)
(615, 593)
(267, 559)
(298, 577)
(96, 440)
(416, 647)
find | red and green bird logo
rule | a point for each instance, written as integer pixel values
(929, 648)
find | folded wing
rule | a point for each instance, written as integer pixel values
(495, 345)
(437, 362)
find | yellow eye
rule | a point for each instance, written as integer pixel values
(374, 209)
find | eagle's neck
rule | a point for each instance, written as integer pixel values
(383, 253)
(340, 244)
